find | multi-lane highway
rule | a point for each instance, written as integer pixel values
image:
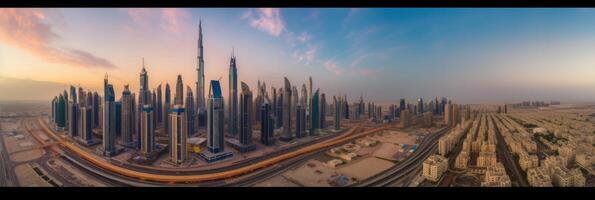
(391, 175)
(210, 177)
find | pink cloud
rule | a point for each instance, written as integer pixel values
(332, 67)
(268, 20)
(25, 29)
(304, 37)
(169, 19)
(307, 56)
(367, 72)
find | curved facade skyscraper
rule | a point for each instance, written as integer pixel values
(286, 111)
(233, 97)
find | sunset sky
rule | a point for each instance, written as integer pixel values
(469, 55)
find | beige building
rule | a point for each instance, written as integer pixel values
(427, 116)
(443, 146)
(527, 161)
(496, 177)
(486, 159)
(539, 177)
(462, 160)
(563, 177)
(434, 166)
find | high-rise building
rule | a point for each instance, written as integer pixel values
(309, 104)
(159, 107)
(54, 109)
(200, 83)
(118, 117)
(420, 105)
(246, 119)
(274, 108)
(166, 108)
(337, 102)
(266, 123)
(73, 119)
(402, 105)
(294, 102)
(215, 125)
(127, 123)
(147, 131)
(345, 107)
(448, 121)
(179, 135)
(61, 113)
(300, 119)
(279, 105)
(233, 97)
(109, 119)
(96, 111)
(190, 115)
(286, 136)
(322, 112)
(87, 125)
(405, 118)
(314, 114)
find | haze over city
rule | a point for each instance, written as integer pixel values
(469, 55)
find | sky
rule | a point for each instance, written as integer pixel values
(471, 55)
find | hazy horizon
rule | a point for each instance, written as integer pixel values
(469, 55)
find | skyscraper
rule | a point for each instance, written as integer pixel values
(266, 123)
(420, 105)
(314, 114)
(189, 109)
(286, 136)
(86, 125)
(345, 107)
(215, 125)
(274, 107)
(96, 116)
(279, 114)
(322, 108)
(448, 115)
(405, 118)
(179, 125)
(402, 105)
(109, 119)
(337, 103)
(166, 108)
(159, 107)
(127, 123)
(54, 108)
(147, 129)
(233, 97)
(300, 116)
(294, 101)
(200, 83)
(73, 119)
(246, 119)
(61, 113)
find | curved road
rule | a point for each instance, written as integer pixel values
(217, 176)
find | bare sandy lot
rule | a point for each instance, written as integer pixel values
(366, 167)
(387, 151)
(27, 155)
(313, 174)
